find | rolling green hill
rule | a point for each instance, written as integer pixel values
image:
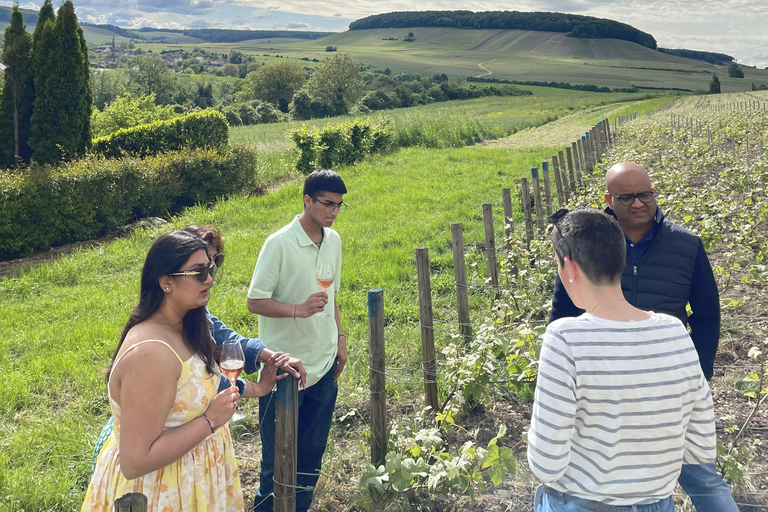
(504, 54)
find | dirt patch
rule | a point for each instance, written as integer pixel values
(13, 266)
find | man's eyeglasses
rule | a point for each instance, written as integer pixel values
(628, 199)
(218, 260)
(330, 205)
(202, 274)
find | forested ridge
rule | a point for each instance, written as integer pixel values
(711, 57)
(573, 25)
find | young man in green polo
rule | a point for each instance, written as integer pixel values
(287, 296)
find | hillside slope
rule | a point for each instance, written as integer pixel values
(532, 56)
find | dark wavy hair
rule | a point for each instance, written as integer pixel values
(210, 234)
(166, 256)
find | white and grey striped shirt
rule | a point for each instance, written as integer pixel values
(619, 407)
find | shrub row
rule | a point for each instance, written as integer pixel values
(340, 144)
(48, 206)
(252, 112)
(205, 129)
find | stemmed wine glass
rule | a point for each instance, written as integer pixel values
(232, 363)
(325, 280)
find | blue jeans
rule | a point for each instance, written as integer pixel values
(316, 405)
(544, 502)
(706, 488)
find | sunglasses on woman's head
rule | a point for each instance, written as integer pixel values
(202, 274)
(218, 259)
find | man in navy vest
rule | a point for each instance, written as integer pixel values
(667, 269)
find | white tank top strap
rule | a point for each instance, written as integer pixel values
(120, 357)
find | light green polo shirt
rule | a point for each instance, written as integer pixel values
(286, 272)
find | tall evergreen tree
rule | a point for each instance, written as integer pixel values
(45, 14)
(714, 85)
(85, 138)
(59, 117)
(17, 95)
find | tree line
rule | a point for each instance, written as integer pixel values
(45, 104)
(720, 59)
(574, 25)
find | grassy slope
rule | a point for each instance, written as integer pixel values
(61, 320)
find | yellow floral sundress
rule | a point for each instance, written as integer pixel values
(205, 479)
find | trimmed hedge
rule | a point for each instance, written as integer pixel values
(205, 129)
(50, 206)
(340, 144)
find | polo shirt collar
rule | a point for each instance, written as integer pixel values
(301, 236)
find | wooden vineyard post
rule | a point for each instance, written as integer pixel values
(527, 211)
(378, 381)
(490, 245)
(563, 178)
(537, 199)
(571, 177)
(131, 502)
(286, 444)
(428, 362)
(577, 162)
(558, 183)
(608, 133)
(460, 276)
(509, 227)
(569, 158)
(547, 191)
(747, 150)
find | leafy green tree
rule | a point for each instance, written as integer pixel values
(231, 70)
(274, 83)
(148, 74)
(128, 111)
(337, 83)
(734, 71)
(714, 85)
(61, 110)
(106, 86)
(18, 91)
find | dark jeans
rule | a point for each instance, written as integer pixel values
(316, 405)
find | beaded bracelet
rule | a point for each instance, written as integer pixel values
(210, 423)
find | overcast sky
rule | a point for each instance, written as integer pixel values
(735, 27)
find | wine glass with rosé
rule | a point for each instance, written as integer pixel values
(324, 280)
(232, 364)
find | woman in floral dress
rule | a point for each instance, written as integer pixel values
(171, 440)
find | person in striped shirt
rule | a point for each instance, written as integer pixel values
(621, 402)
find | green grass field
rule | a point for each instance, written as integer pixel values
(61, 320)
(504, 54)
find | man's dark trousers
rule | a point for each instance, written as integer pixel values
(316, 405)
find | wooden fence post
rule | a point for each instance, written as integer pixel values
(286, 447)
(547, 191)
(460, 276)
(558, 183)
(563, 177)
(428, 362)
(569, 158)
(506, 202)
(537, 199)
(571, 177)
(378, 381)
(527, 211)
(608, 133)
(490, 245)
(577, 162)
(131, 502)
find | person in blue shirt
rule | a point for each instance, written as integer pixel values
(254, 350)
